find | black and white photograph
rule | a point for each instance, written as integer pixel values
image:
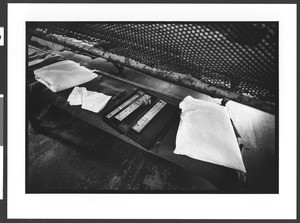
(153, 111)
(152, 107)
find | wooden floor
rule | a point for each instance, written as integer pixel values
(73, 156)
(76, 157)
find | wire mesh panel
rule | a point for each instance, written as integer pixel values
(239, 57)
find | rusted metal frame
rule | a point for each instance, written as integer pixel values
(186, 80)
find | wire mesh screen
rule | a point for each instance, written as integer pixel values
(240, 57)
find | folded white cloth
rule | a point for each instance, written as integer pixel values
(89, 100)
(206, 133)
(76, 96)
(63, 75)
(95, 101)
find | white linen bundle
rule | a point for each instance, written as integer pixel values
(63, 75)
(205, 133)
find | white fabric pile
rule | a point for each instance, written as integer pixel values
(63, 75)
(89, 100)
(205, 133)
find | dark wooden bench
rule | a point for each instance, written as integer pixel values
(119, 89)
(163, 148)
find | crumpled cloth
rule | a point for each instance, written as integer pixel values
(205, 133)
(63, 75)
(76, 96)
(89, 100)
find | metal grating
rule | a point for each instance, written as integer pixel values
(239, 57)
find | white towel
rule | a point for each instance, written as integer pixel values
(206, 133)
(90, 100)
(63, 75)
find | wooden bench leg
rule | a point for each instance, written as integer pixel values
(35, 107)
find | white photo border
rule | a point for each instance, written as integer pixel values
(151, 206)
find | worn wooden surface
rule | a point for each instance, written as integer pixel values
(76, 157)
